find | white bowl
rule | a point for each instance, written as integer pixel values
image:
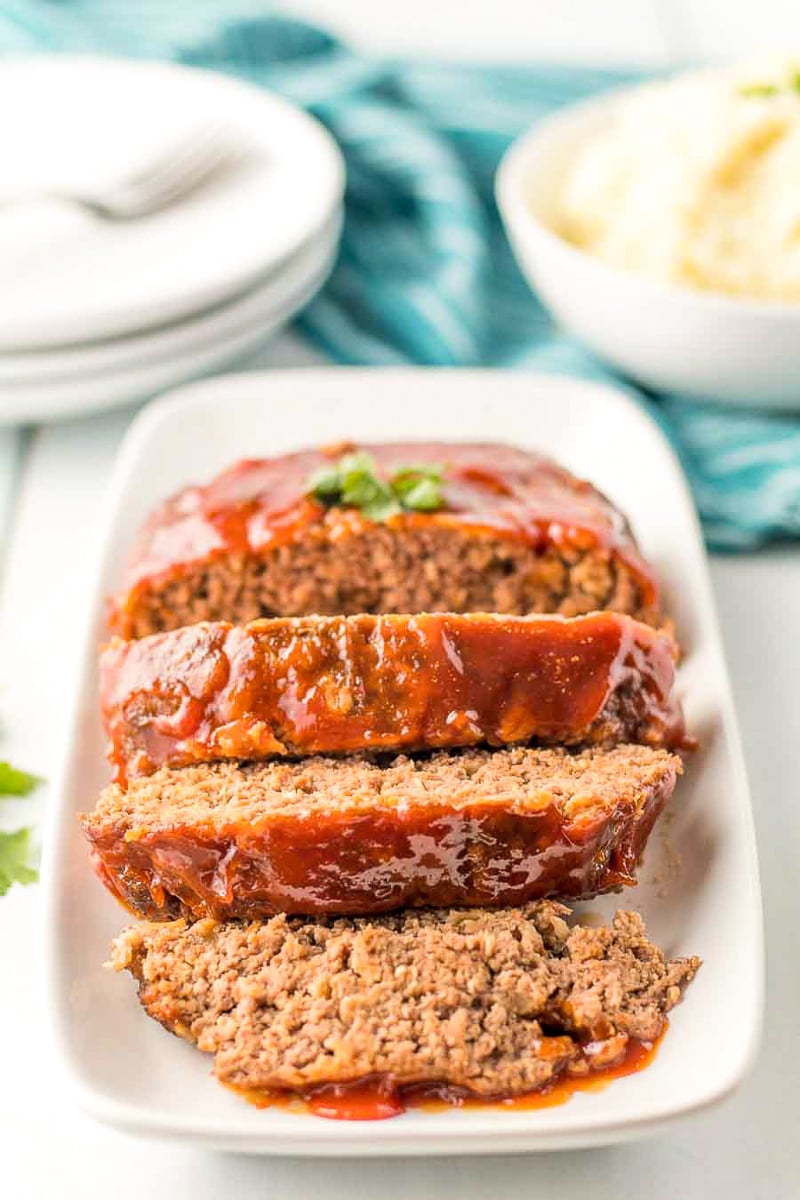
(700, 344)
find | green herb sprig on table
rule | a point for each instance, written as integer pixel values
(760, 91)
(15, 848)
(16, 783)
(15, 854)
(353, 482)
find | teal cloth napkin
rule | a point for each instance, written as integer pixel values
(425, 274)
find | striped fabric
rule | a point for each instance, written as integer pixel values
(425, 274)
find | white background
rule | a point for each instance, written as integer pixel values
(746, 1149)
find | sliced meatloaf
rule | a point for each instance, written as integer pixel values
(311, 685)
(514, 533)
(497, 1003)
(326, 835)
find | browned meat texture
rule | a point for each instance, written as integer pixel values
(517, 534)
(383, 570)
(498, 1003)
(357, 835)
(342, 684)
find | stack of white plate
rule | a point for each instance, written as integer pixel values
(96, 313)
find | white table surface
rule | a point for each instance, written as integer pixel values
(51, 488)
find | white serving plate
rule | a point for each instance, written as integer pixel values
(699, 891)
(66, 277)
(119, 372)
(35, 367)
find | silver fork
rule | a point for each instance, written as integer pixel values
(174, 172)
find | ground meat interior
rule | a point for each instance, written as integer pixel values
(495, 1002)
(355, 835)
(384, 570)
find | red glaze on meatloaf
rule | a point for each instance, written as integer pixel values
(516, 533)
(314, 685)
(351, 835)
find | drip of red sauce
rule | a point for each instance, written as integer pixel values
(376, 1099)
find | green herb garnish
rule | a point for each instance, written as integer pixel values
(15, 852)
(16, 783)
(419, 488)
(15, 865)
(361, 488)
(759, 90)
(354, 483)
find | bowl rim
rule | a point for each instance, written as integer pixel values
(521, 219)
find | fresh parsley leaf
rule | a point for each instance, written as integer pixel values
(362, 488)
(758, 90)
(15, 866)
(366, 494)
(794, 83)
(419, 487)
(424, 496)
(354, 482)
(326, 483)
(381, 508)
(16, 783)
(359, 463)
(407, 477)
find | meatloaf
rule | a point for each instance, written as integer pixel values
(326, 835)
(515, 533)
(309, 685)
(496, 1003)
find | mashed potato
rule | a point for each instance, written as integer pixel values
(696, 182)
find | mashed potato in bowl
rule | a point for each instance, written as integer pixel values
(696, 181)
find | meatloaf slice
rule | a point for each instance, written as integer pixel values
(327, 835)
(497, 1003)
(339, 684)
(515, 533)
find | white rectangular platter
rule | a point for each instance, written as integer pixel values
(699, 889)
